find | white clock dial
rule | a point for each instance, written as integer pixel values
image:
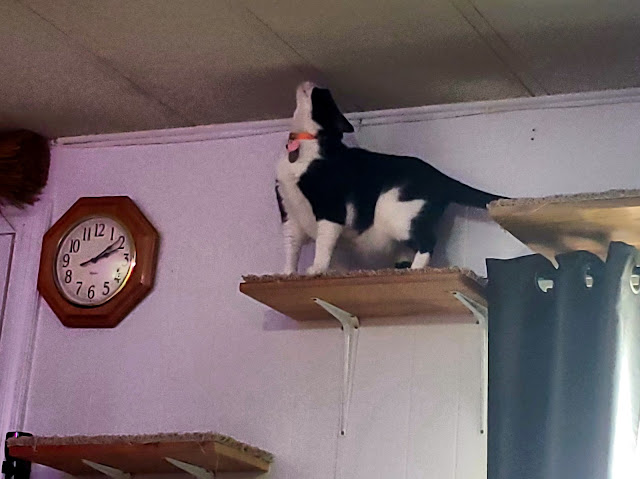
(94, 261)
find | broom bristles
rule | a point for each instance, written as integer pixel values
(24, 167)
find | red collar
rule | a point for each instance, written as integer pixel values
(293, 144)
(303, 135)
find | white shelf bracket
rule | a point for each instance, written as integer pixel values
(481, 313)
(350, 327)
(111, 472)
(196, 471)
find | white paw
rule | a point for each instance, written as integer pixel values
(313, 269)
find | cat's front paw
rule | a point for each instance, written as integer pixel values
(313, 269)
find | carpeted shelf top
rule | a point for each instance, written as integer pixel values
(604, 195)
(362, 274)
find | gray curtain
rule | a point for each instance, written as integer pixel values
(564, 366)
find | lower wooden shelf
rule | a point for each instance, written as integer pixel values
(141, 454)
(370, 294)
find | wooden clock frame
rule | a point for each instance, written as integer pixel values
(141, 279)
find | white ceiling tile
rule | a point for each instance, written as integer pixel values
(572, 45)
(74, 67)
(49, 87)
(198, 56)
(391, 54)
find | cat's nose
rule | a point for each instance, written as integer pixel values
(306, 87)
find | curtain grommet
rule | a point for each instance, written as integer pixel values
(634, 280)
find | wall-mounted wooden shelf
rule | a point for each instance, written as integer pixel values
(370, 294)
(558, 224)
(141, 454)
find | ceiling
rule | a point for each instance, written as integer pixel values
(73, 67)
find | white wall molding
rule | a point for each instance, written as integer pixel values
(21, 313)
(176, 135)
(380, 117)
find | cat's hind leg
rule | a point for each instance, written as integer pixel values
(421, 260)
(423, 236)
(404, 257)
(403, 264)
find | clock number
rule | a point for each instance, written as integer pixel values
(99, 230)
(112, 230)
(121, 239)
(126, 257)
(74, 247)
(79, 283)
(67, 276)
(91, 292)
(86, 234)
(106, 289)
(65, 260)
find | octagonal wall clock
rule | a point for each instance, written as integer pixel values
(98, 262)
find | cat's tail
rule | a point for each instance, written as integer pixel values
(467, 196)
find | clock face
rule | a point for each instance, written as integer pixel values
(94, 261)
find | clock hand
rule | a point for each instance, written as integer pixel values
(109, 250)
(95, 258)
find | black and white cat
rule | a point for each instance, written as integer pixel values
(378, 203)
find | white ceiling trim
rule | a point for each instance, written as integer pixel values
(176, 135)
(402, 115)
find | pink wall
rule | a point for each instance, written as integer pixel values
(196, 355)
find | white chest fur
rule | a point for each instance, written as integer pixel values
(295, 203)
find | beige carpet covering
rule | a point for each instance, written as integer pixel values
(604, 195)
(361, 274)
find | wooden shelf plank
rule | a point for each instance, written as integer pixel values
(559, 224)
(369, 294)
(141, 454)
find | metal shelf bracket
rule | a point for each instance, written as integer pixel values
(111, 472)
(350, 327)
(196, 471)
(481, 313)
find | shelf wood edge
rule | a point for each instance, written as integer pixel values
(293, 296)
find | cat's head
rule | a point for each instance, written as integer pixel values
(316, 112)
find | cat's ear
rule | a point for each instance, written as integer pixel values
(326, 113)
(344, 125)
